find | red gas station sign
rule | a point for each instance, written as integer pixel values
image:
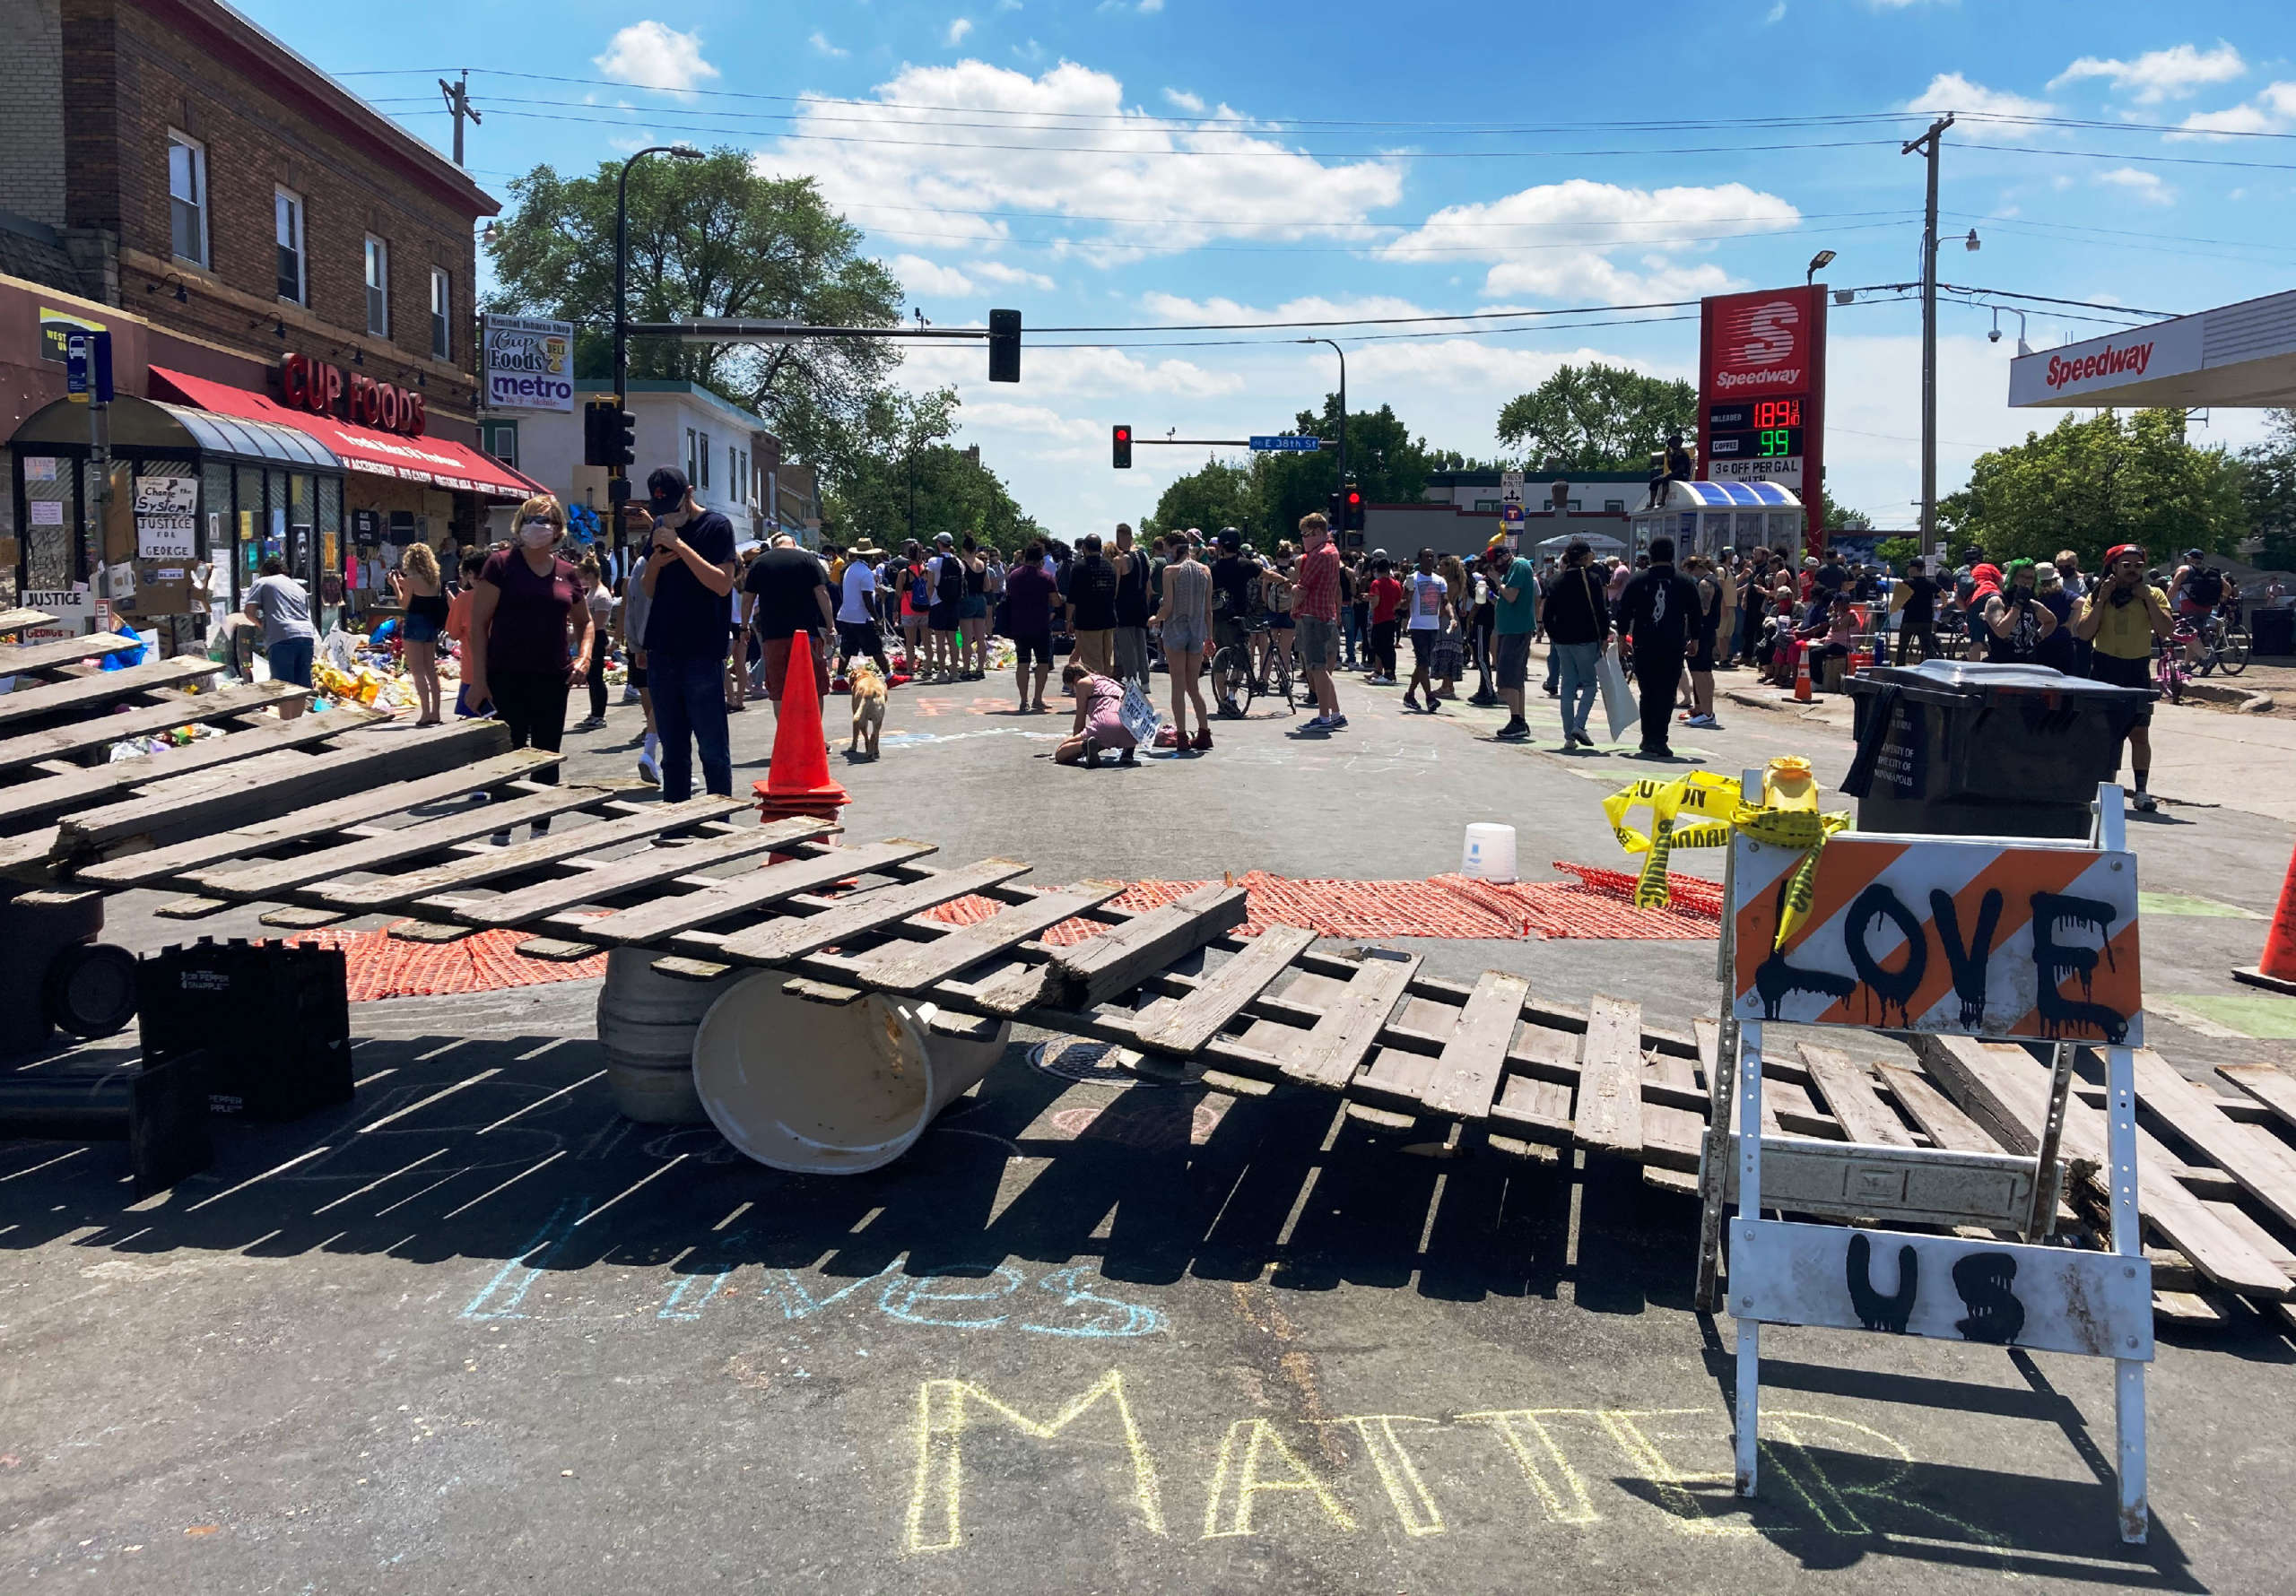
(1762, 393)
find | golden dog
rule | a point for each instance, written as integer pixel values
(868, 706)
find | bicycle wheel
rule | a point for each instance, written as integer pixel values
(1279, 680)
(2233, 655)
(1231, 680)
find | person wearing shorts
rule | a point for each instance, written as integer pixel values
(1029, 594)
(2123, 618)
(1512, 582)
(1184, 620)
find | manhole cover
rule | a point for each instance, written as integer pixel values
(1074, 1059)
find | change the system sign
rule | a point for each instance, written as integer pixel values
(528, 364)
(1974, 938)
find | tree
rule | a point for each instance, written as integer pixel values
(1894, 552)
(905, 467)
(1840, 517)
(712, 237)
(2086, 485)
(2268, 492)
(1387, 463)
(1218, 493)
(1598, 417)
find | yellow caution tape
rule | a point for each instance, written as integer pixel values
(1788, 817)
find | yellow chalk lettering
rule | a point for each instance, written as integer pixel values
(1787, 1425)
(935, 1500)
(1258, 1434)
(1397, 1472)
(1519, 1427)
(1671, 1484)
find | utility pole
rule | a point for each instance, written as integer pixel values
(1340, 539)
(457, 95)
(1928, 143)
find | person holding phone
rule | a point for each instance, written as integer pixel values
(527, 603)
(690, 573)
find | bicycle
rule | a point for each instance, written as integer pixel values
(2225, 644)
(2172, 669)
(1236, 681)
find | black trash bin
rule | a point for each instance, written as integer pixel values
(1958, 749)
(2273, 632)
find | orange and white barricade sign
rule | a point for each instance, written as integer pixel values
(2031, 941)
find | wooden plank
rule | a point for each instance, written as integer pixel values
(1466, 1081)
(1849, 1091)
(294, 918)
(2264, 1164)
(25, 658)
(269, 878)
(646, 868)
(1397, 1075)
(1608, 1116)
(1095, 971)
(531, 854)
(2268, 1084)
(1944, 1124)
(1540, 1107)
(192, 767)
(13, 622)
(350, 771)
(2005, 1089)
(142, 720)
(366, 802)
(1329, 1054)
(555, 950)
(913, 966)
(104, 687)
(778, 942)
(1197, 1017)
(752, 889)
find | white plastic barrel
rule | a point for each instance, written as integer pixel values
(1489, 853)
(820, 1089)
(646, 1024)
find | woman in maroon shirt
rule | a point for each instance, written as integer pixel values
(521, 610)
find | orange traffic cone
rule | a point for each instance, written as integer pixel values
(2277, 971)
(1802, 675)
(798, 782)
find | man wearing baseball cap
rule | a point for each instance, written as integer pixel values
(690, 574)
(2124, 617)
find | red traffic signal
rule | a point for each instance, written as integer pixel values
(1120, 446)
(1351, 510)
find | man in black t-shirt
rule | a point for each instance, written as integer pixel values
(1831, 576)
(1235, 591)
(689, 576)
(1092, 607)
(1131, 608)
(1659, 610)
(1915, 602)
(786, 594)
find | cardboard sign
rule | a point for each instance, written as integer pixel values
(1942, 1286)
(2021, 942)
(164, 537)
(165, 495)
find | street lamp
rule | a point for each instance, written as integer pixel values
(1818, 263)
(1341, 540)
(618, 476)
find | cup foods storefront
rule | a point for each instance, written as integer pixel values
(335, 478)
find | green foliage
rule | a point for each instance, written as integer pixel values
(712, 237)
(2088, 484)
(904, 445)
(1840, 517)
(1894, 552)
(1598, 417)
(2268, 492)
(1386, 461)
(1219, 493)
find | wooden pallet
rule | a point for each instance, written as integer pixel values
(326, 818)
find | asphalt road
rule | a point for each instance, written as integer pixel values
(475, 1332)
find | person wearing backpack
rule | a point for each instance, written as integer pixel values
(944, 614)
(2195, 592)
(914, 583)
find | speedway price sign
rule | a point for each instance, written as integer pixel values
(1762, 392)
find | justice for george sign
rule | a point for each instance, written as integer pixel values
(1966, 938)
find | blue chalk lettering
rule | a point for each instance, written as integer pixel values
(1123, 1319)
(518, 1275)
(901, 1298)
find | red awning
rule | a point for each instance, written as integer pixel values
(433, 460)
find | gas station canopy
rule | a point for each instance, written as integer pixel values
(2236, 356)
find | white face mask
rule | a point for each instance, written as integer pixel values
(537, 534)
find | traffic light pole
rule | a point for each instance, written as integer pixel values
(1342, 407)
(617, 475)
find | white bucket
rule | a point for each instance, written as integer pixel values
(820, 1089)
(1489, 853)
(646, 1024)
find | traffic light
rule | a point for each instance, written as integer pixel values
(1333, 515)
(1120, 446)
(1003, 346)
(609, 434)
(1352, 509)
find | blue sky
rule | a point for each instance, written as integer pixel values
(1155, 162)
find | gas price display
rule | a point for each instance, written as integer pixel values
(1755, 429)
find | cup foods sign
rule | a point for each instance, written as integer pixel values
(529, 364)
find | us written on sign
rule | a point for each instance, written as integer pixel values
(1979, 939)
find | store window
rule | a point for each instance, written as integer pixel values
(693, 471)
(501, 441)
(1614, 504)
(443, 321)
(378, 287)
(187, 196)
(703, 481)
(294, 282)
(1486, 507)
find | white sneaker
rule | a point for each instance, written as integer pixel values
(649, 771)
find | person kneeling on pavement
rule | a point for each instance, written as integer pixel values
(1100, 719)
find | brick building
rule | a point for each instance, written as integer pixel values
(261, 245)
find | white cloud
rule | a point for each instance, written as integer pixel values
(997, 271)
(1557, 240)
(1193, 104)
(1149, 8)
(1190, 180)
(2144, 186)
(655, 56)
(821, 42)
(2271, 111)
(922, 276)
(1951, 92)
(1008, 5)
(1777, 14)
(2173, 74)
(958, 28)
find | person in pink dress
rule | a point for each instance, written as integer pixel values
(1100, 720)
